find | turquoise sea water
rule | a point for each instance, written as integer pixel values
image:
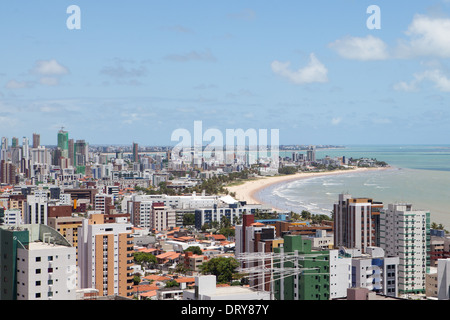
(420, 175)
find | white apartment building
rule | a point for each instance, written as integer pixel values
(162, 217)
(46, 268)
(102, 200)
(405, 233)
(443, 279)
(36, 210)
(65, 198)
(12, 217)
(340, 275)
(177, 202)
(376, 272)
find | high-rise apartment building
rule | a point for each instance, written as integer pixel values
(162, 217)
(135, 152)
(37, 263)
(36, 210)
(63, 143)
(105, 256)
(7, 172)
(303, 274)
(254, 245)
(103, 202)
(311, 154)
(443, 279)
(36, 140)
(80, 153)
(71, 152)
(25, 148)
(406, 233)
(354, 222)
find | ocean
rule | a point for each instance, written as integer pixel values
(420, 175)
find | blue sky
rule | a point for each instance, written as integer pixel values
(138, 70)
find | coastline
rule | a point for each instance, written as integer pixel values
(248, 190)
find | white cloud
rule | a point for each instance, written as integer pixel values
(429, 36)
(49, 68)
(314, 71)
(404, 86)
(49, 81)
(14, 84)
(357, 48)
(435, 76)
(336, 121)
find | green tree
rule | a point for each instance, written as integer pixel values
(306, 215)
(195, 250)
(288, 170)
(188, 219)
(171, 283)
(223, 268)
(144, 258)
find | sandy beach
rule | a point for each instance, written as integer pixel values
(247, 190)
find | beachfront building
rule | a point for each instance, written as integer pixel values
(356, 222)
(406, 233)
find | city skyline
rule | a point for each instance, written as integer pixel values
(315, 71)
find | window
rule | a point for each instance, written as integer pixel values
(38, 295)
(38, 271)
(38, 259)
(38, 283)
(50, 258)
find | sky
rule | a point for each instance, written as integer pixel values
(136, 71)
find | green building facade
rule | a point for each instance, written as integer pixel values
(10, 240)
(63, 143)
(311, 278)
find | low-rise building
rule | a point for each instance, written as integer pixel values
(206, 289)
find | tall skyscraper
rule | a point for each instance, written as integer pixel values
(81, 153)
(36, 140)
(135, 152)
(105, 256)
(7, 172)
(63, 143)
(354, 225)
(405, 233)
(25, 148)
(14, 142)
(72, 152)
(311, 154)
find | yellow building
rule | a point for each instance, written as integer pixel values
(105, 255)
